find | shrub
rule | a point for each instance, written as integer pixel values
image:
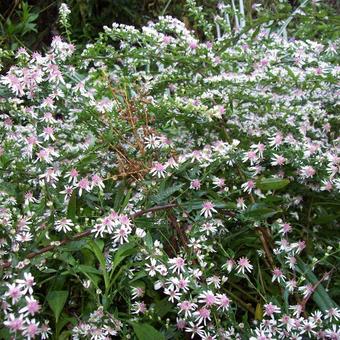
(155, 184)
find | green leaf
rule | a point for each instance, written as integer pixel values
(126, 200)
(145, 331)
(260, 211)
(259, 312)
(148, 240)
(271, 183)
(65, 335)
(74, 245)
(9, 188)
(119, 197)
(56, 300)
(4, 333)
(82, 268)
(95, 246)
(325, 219)
(164, 194)
(63, 322)
(138, 275)
(67, 258)
(72, 207)
(163, 307)
(124, 251)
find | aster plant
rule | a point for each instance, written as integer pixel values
(161, 185)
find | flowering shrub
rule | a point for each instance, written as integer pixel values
(156, 185)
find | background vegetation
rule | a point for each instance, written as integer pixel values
(32, 24)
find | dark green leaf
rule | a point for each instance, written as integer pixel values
(163, 307)
(56, 300)
(260, 211)
(271, 183)
(145, 331)
(164, 194)
(72, 207)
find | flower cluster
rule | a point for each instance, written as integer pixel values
(160, 183)
(21, 309)
(117, 225)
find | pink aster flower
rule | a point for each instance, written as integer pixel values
(240, 203)
(29, 198)
(172, 163)
(48, 133)
(244, 264)
(285, 228)
(72, 176)
(223, 302)
(230, 264)
(151, 268)
(180, 324)
(250, 156)
(219, 182)
(278, 275)
(208, 298)
(13, 323)
(84, 184)
(298, 247)
(139, 308)
(291, 261)
(158, 170)
(193, 45)
(64, 225)
(195, 184)
(186, 307)
(307, 290)
(121, 234)
(248, 186)
(278, 160)
(32, 306)
(173, 294)
(45, 330)
(105, 226)
(26, 283)
(259, 148)
(181, 283)
(97, 182)
(291, 285)
(44, 155)
(207, 209)
(137, 292)
(333, 313)
(326, 185)
(270, 309)
(14, 292)
(307, 171)
(202, 315)
(177, 264)
(194, 329)
(167, 39)
(31, 329)
(276, 140)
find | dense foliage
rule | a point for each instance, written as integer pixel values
(32, 24)
(160, 184)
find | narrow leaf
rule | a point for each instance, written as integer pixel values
(72, 207)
